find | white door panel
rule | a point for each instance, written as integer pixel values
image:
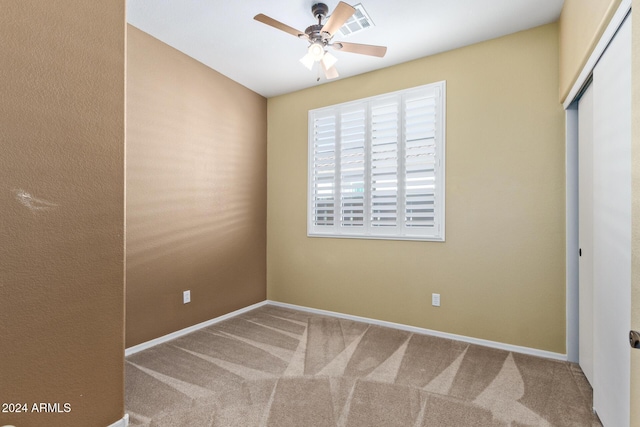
(585, 232)
(612, 230)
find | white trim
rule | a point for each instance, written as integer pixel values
(145, 345)
(598, 50)
(493, 344)
(571, 229)
(471, 340)
(124, 422)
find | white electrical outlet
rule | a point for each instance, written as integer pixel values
(435, 300)
(186, 297)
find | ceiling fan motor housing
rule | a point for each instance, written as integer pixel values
(315, 34)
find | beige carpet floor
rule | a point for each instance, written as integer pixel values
(275, 367)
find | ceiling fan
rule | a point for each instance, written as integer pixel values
(319, 37)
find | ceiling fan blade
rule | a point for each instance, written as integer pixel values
(330, 73)
(341, 13)
(362, 49)
(280, 26)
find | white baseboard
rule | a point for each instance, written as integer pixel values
(124, 422)
(423, 331)
(145, 345)
(493, 344)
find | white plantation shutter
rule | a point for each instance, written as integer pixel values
(385, 133)
(325, 168)
(352, 166)
(421, 161)
(376, 167)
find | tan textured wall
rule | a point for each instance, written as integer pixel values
(582, 23)
(635, 222)
(501, 272)
(61, 210)
(196, 191)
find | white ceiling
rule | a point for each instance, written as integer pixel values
(224, 35)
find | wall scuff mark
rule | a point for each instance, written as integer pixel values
(34, 204)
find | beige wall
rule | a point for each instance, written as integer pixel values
(196, 191)
(635, 236)
(581, 25)
(501, 272)
(61, 210)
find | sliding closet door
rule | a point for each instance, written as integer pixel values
(612, 230)
(585, 232)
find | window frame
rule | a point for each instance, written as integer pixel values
(399, 231)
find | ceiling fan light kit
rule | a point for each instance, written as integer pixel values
(329, 60)
(316, 50)
(308, 61)
(319, 37)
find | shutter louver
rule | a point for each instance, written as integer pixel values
(324, 165)
(384, 163)
(420, 160)
(352, 167)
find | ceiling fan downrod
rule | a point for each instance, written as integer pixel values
(320, 11)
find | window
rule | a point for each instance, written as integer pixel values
(376, 167)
